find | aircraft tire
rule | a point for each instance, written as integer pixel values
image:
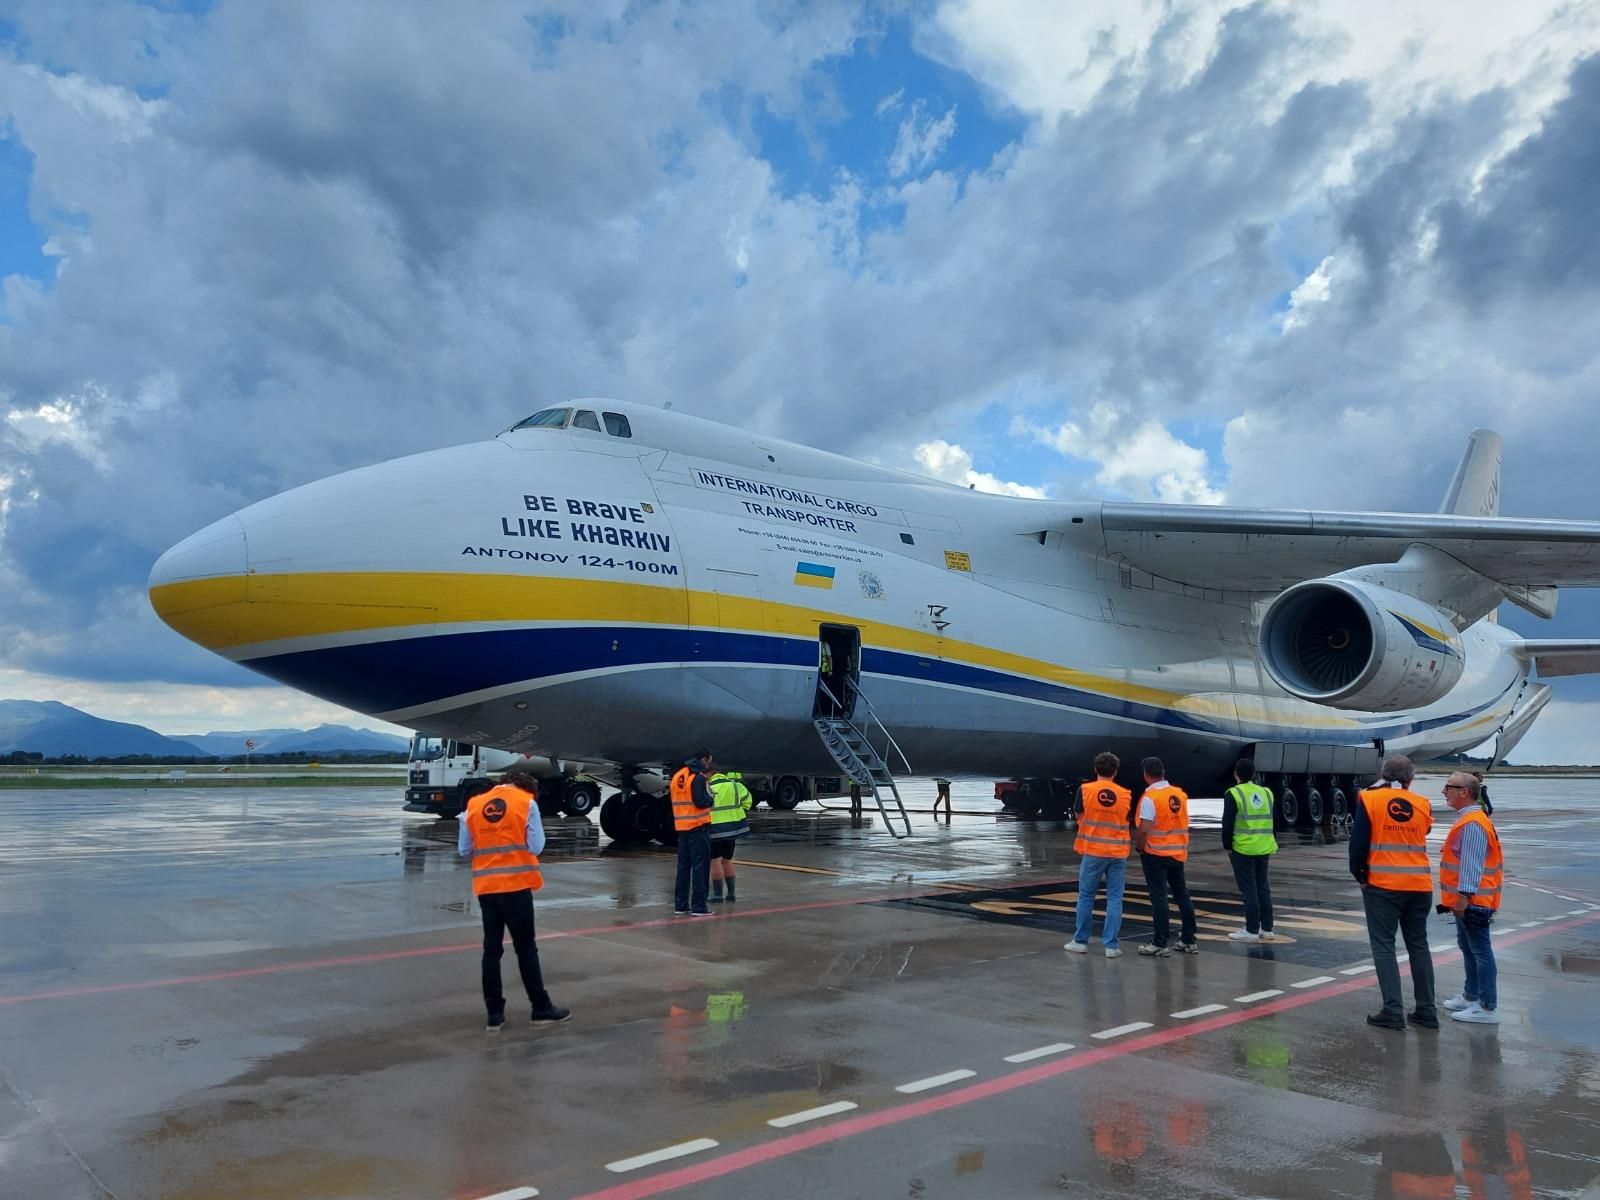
(1316, 810)
(637, 819)
(1338, 805)
(1288, 807)
(580, 799)
(1028, 802)
(611, 817)
(787, 792)
(666, 832)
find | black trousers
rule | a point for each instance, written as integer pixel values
(694, 870)
(512, 911)
(1408, 912)
(1163, 876)
(1250, 873)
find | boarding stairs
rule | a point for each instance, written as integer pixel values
(849, 743)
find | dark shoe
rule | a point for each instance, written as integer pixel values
(496, 1024)
(1416, 1018)
(550, 1015)
(1189, 947)
(680, 912)
(1379, 1021)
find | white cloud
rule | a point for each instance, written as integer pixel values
(1141, 459)
(951, 463)
(890, 102)
(921, 140)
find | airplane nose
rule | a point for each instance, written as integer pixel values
(197, 586)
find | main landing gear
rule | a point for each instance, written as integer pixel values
(1311, 801)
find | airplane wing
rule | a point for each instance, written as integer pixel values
(1557, 658)
(1261, 549)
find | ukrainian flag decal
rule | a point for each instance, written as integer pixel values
(815, 575)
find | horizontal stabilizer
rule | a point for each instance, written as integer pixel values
(1555, 658)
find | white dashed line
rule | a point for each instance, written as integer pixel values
(1254, 996)
(1041, 1052)
(522, 1193)
(655, 1156)
(1200, 1012)
(1577, 912)
(933, 1081)
(1305, 983)
(1134, 1027)
(1528, 924)
(1361, 970)
(1568, 899)
(811, 1114)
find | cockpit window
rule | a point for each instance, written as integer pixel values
(546, 418)
(584, 419)
(617, 425)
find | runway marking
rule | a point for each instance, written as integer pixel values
(623, 1165)
(521, 1193)
(812, 1114)
(1568, 899)
(1254, 996)
(1577, 912)
(1199, 1012)
(795, 1143)
(1361, 970)
(1320, 979)
(1529, 924)
(933, 1081)
(1120, 1030)
(1041, 1052)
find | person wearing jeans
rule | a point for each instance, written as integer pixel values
(1104, 840)
(1247, 836)
(1471, 873)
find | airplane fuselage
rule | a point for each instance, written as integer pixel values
(593, 597)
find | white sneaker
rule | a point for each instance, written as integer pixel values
(1075, 947)
(1268, 936)
(1243, 935)
(1476, 1015)
(1458, 1003)
(1113, 953)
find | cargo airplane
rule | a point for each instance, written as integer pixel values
(613, 584)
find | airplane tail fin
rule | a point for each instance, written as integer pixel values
(1475, 490)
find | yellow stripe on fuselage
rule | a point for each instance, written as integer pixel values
(230, 611)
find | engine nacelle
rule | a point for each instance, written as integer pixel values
(1354, 645)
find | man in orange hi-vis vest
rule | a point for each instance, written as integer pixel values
(1103, 843)
(691, 817)
(1163, 840)
(502, 834)
(1389, 858)
(1471, 874)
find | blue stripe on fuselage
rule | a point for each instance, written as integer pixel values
(386, 676)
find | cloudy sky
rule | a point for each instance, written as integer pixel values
(1272, 254)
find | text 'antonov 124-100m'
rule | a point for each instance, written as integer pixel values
(614, 585)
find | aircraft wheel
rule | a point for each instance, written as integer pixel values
(581, 799)
(1316, 810)
(1029, 802)
(666, 831)
(1338, 805)
(638, 820)
(1288, 807)
(787, 793)
(611, 817)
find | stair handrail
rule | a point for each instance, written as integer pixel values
(878, 721)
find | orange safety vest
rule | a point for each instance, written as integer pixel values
(501, 860)
(1103, 828)
(1518, 1183)
(1170, 837)
(1488, 893)
(1397, 860)
(685, 815)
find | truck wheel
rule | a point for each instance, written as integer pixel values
(611, 817)
(581, 799)
(787, 793)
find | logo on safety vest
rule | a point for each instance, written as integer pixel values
(1107, 798)
(1400, 810)
(494, 810)
(1172, 804)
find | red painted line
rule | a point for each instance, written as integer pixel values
(380, 956)
(783, 1147)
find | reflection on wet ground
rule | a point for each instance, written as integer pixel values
(214, 995)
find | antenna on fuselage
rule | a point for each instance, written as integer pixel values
(666, 406)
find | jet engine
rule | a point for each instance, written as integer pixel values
(1350, 644)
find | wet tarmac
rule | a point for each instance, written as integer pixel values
(214, 993)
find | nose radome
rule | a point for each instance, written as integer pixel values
(194, 587)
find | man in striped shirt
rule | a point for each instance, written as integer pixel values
(1471, 861)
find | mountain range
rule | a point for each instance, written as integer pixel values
(53, 729)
